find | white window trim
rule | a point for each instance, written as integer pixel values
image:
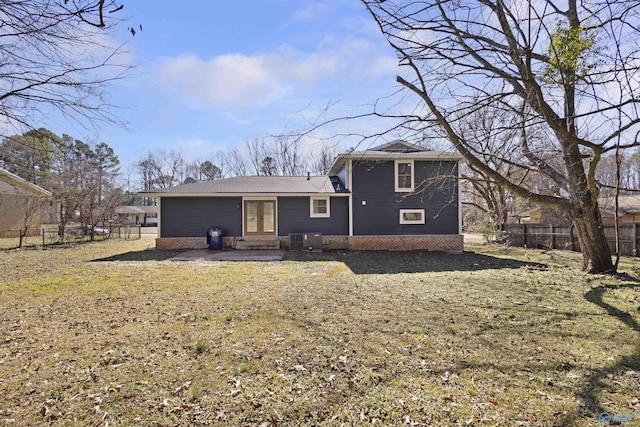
(320, 215)
(413, 176)
(420, 211)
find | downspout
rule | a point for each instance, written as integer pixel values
(349, 167)
(159, 224)
(459, 180)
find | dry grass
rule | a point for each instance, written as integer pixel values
(111, 333)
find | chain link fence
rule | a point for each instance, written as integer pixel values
(51, 235)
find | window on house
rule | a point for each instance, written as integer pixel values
(404, 176)
(320, 207)
(412, 216)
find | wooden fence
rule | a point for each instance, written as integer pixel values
(565, 237)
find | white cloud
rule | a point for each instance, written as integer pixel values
(241, 81)
(311, 12)
(190, 143)
(384, 65)
(244, 83)
(227, 80)
(191, 148)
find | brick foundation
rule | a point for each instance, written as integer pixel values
(167, 243)
(428, 242)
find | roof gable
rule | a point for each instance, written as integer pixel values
(399, 146)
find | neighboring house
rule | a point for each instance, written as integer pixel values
(628, 209)
(540, 215)
(397, 196)
(628, 212)
(24, 206)
(137, 215)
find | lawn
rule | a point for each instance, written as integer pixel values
(114, 333)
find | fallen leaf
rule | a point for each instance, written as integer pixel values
(182, 387)
(164, 404)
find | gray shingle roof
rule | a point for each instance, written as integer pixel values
(394, 150)
(253, 185)
(128, 210)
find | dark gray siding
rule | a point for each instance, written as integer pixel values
(293, 217)
(193, 216)
(373, 182)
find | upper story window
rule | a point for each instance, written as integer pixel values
(404, 176)
(320, 207)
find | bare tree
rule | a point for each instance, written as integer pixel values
(570, 68)
(495, 138)
(322, 160)
(276, 155)
(625, 166)
(237, 164)
(258, 151)
(287, 155)
(174, 171)
(192, 171)
(148, 168)
(220, 159)
(161, 169)
(56, 54)
(202, 170)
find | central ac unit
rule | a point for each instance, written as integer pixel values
(305, 241)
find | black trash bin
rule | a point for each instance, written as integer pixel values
(214, 238)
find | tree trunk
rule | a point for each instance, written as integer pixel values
(596, 255)
(584, 211)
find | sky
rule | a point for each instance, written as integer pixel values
(211, 74)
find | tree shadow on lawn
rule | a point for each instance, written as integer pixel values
(143, 255)
(382, 262)
(598, 378)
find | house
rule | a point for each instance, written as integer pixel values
(128, 215)
(397, 196)
(137, 215)
(628, 209)
(24, 206)
(540, 215)
(628, 212)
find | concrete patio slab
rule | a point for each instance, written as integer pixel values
(229, 255)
